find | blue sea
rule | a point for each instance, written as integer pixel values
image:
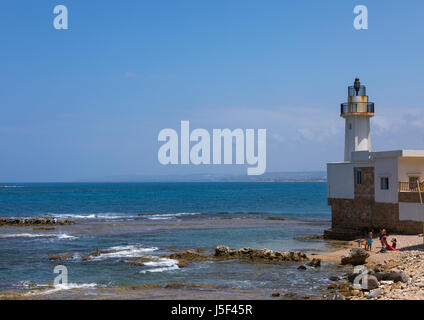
(150, 220)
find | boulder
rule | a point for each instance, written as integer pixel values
(316, 263)
(392, 276)
(302, 267)
(372, 282)
(356, 256)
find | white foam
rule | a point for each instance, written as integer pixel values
(94, 216)
(62, 236)
(164, 264)
(160, 269)
(166, 216)
(128, 251)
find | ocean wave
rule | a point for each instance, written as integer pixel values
(93, 216)
(37, 235)
(127, 251)
(166, 216)
(60, 287)
(162, 264)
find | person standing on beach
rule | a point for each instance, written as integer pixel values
(369, 242)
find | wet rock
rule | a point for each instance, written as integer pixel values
(62, 256)
(316, 263)
(189, 255)
(356, 256)
(374, 294)
(276, 218)
(97, 253)
(275, 294)
(33, 221)
(301, 267)
(334, 278)
(248, 253)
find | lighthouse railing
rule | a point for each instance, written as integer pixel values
(357, 107)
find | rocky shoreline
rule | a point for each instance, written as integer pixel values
(38, 221)
(396, 275)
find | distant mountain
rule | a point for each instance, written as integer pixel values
(305, 176)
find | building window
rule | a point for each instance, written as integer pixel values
(413, 183)
(384, 183)
(358, 177)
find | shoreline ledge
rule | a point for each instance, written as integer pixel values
(36, 221)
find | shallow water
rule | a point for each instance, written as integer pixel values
(174, 216)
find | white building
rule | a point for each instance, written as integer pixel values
(373, 190)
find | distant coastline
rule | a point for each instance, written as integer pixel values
(297, 176)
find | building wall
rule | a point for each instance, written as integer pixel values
(386, 167)
(410, 167)
(363, 212)
(340, 180)
(411, 211)
(365, 215)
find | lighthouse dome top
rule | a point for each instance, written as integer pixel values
(358, 104)
(357, 89)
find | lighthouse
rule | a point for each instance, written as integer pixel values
(357, 113)
(372, 190)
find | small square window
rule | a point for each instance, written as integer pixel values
(384, 183)
(359, 177)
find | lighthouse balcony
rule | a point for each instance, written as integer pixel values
(357, 108)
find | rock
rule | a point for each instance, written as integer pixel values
(356, 256)
(334, 278)
(266, 255)
(61, 256)
(182, 264)
(374, 294)
(316, 263)
(392, 276)
(372, 282)
(33, 221)
(355, 292)
(302, 267)
(275, 294)
(332, 286)
(221, 251)
(189, 255)
(344, 287)
(336, 296)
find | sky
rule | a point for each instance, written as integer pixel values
(90, 101)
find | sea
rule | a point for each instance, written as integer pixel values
(152, 220)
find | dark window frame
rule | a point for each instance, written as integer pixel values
(384, 183)
(359, 177)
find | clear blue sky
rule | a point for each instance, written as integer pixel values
(90, 101)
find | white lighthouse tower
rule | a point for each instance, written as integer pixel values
(357, 113)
